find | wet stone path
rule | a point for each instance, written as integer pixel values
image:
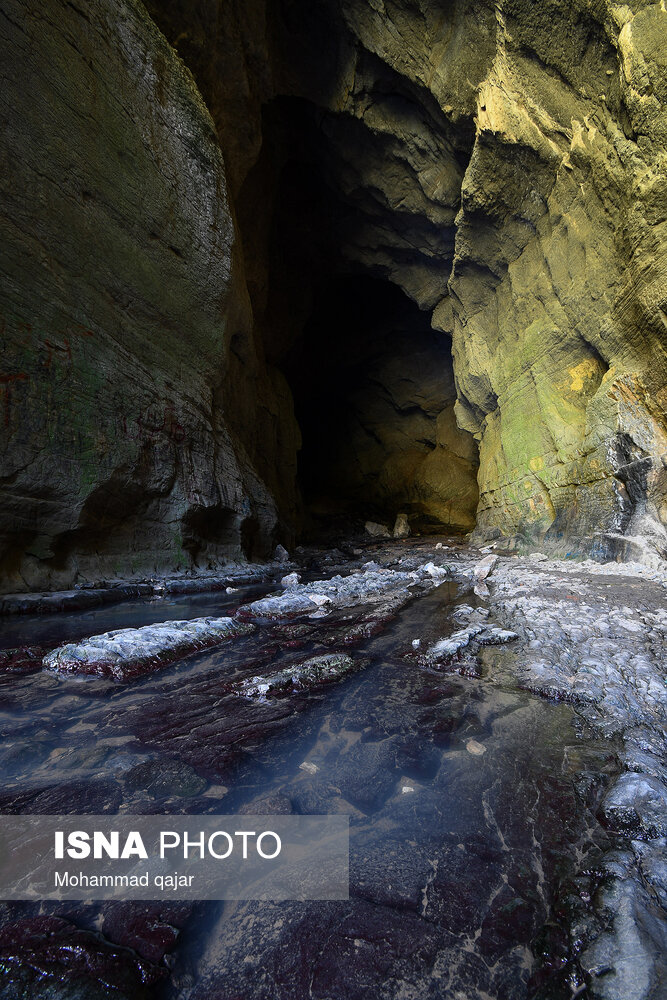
(480, 848)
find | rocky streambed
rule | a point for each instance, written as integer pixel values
(494, 730)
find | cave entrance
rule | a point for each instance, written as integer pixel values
(372, 382)
(374, 395)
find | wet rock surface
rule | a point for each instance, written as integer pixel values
(111, 592)
(502, 843)
(306, 675)
(38, 954)
(594, 635)
(128, 653)
(488, 180)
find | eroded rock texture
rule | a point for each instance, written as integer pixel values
(558, 283)
(501, 164)
(504, 164)
(136, 432)
(378, 423)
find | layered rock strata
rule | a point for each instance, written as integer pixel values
(122, 310)
(505, 166)
(166, 240)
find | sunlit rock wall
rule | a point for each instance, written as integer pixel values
(559, 281)
(556, 294)
(128, 364)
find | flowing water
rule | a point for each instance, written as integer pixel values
(470, 801)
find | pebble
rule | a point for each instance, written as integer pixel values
(308, 767)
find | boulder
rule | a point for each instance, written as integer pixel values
(401, 526)
(376, 530)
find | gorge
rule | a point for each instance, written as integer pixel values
(275, 274)
(445, 220)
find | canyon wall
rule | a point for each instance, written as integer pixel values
(167, 237)
(505, 165)
(378, 424)
(141, 431)
(559, 281)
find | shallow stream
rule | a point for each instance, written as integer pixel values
(470, 802)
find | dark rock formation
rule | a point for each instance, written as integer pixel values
(123, 308)
(378, 424)
(180, 273)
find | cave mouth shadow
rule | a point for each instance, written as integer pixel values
(374, 395)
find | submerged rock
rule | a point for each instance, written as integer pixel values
(311, 673)
(24, 660)
(161, 779)
(45, 957)
(308, 767)
(128, 653)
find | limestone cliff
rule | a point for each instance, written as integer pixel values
(558, 284)
(166, 256)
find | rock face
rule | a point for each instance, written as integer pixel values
(378, 425)
(504, 166)
(177, 282)
(559, 283)
(122, 307)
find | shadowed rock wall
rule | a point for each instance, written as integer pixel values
(374, 395)
(128, 365)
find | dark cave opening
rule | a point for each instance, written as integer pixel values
(374, 395)
(343, 285)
